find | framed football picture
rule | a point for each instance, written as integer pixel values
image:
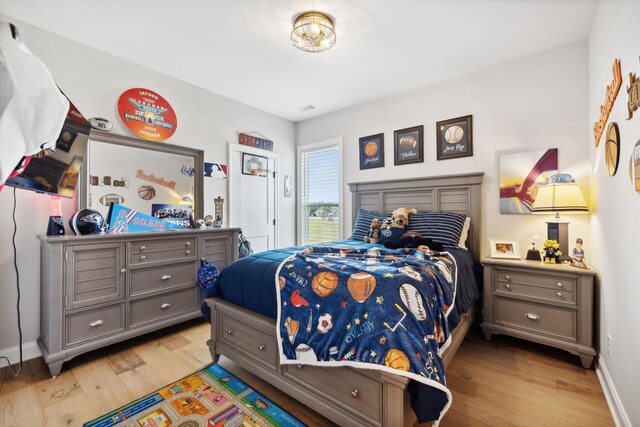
(408, 145)
(372, 151)
(454, 138)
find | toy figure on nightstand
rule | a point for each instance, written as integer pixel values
(577, 258)
(551, 251)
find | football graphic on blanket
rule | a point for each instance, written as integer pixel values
(361, 285)
(413, 301)
(304, 353)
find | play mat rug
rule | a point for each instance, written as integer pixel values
(208, 398)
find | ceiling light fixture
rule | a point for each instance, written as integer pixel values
(313, 32)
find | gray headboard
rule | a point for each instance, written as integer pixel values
(451, 193)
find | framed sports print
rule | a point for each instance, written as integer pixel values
(372, 151)
(408, 145)
(454, 138)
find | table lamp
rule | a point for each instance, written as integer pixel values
(56, 225)
(563, 195)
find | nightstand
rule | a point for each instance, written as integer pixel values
(550, 304)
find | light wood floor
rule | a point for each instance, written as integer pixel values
(507, 382)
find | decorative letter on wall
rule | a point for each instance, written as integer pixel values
(633, 95)
(605, 109)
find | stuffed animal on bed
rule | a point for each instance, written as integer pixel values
(393, 227)
(551, 251)
(374, 231)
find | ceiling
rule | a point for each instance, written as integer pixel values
(242, 49)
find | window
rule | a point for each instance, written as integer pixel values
(319, 179)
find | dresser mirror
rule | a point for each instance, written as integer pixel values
(155, 178)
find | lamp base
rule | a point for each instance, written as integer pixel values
(559, 231)
(56, 226)
(533, 255)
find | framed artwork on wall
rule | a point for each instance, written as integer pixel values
(408, 145)
(454, 138)
(505, 248)
(372, 151)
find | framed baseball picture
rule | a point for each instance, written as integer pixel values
(372, 151)
(454, 138)
(408, 145)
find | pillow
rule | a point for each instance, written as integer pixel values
(443, 227)
(363, 221)
(465, 233)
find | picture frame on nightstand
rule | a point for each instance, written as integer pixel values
(507, 248)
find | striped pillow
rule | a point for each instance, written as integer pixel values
(363, 221)
(443, 227)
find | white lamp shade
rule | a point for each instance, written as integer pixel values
(560, 197)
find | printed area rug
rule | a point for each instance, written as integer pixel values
(208, 398)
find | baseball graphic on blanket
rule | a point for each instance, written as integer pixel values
(304, 353)
(361, 285)
(412, 299)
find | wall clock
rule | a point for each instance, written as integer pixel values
(612, 149)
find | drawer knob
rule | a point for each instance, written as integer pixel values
(229, 331)
(261, 347)
(124, 270)
(559, 284)
(508, 286)
(354, 393)
(96, 323)
(559, 294)
(165, 277)
(300, 366)
(143, 257)
(188, 244)
(142, 248)
(507, 277)
(187, 252)
(165, 305)
(532, 316)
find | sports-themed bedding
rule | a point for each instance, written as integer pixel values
(369, 308)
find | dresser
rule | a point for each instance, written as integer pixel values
(100, 289)
(546, 303)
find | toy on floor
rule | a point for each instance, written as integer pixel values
(551, 251)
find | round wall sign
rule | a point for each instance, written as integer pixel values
(612, 149)
(147, 114)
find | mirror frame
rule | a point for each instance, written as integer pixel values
(127, 141)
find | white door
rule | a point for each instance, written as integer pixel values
(252, 194)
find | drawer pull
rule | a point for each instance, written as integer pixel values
(142, 248)
(187, 252)
(507, 278)
(508, 286)
(165, 305)
(559, 284)
(532, 316)
(229, 331)
(96, 323)
(124, 270)
(188, 244)
(299, 366)
(261, 347)
(143, 257)
(354, 393)
(559, 294)
(166, 277)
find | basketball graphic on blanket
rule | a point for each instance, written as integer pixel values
(324, 283)
(397, 360)
(281, 282)
(361, 285)
(412, 299)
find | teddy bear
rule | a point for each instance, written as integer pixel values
(374, 231)
(551, 251)
(393, 227)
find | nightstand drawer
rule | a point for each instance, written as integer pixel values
(556, 321)
(551, 294)
(567, 283)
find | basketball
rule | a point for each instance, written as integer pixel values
(324, 283)
(146, 192)
(397, 360)
(361, 285)
(408, 142)
(371, 148)
(453, 134)
(281, 282)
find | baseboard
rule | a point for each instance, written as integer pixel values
(30, 350)
(620, 417)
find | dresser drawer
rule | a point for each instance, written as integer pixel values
(148, 251)
(354, 391)
(552, 320)
(551, 294)
(94, 323)
(167, 276)
(560, 282)
(155, 308)
(260, 345)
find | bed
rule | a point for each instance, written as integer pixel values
(346, 395)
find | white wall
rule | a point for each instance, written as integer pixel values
(614, 223)
(533, 103)
(94, 80)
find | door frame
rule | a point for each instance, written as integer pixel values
(328, 144)
(238, 148)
